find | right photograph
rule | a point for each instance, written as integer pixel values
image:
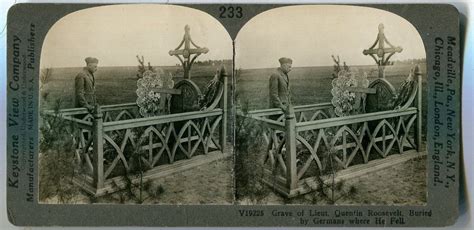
(330, 108)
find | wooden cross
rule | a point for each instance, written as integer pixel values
(381, 51)
(187, 59)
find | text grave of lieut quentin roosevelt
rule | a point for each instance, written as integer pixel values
(410, 149)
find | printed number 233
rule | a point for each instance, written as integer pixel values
(230, 12)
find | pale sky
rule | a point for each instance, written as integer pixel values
(311, 34)
(116, 34)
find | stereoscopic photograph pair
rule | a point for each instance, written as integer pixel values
(157, 106)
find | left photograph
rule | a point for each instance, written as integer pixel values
(135, 108)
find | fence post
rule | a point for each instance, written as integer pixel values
(223, 105)
(290, 129)
(98, 158)
(419, 106)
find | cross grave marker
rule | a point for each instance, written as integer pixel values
(381, 51)
(185, 55)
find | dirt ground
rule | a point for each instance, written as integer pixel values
(211, 183)
(401, 184)
(206, 184)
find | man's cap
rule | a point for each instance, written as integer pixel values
(91, 60)
(284, 60)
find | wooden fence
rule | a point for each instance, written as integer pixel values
(109, 141)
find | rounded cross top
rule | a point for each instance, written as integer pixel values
(382, 50)
(381, 27)
(187, 52)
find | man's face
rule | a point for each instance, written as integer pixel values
(92, 67)
(286, 67)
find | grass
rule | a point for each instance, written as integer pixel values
(114, 85)
(308, 85)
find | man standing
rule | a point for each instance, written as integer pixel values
(85, 85)
(280, 85)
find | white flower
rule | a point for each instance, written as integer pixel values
(147, 99)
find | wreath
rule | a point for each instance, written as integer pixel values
(148, 100)
(210, 92)
(346, 102)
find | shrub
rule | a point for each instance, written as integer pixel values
(249, 167)
(56, 158)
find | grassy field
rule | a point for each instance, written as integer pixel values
(114, 85)
(308, 85)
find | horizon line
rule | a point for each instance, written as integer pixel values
(108, 66)
(312, 66)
